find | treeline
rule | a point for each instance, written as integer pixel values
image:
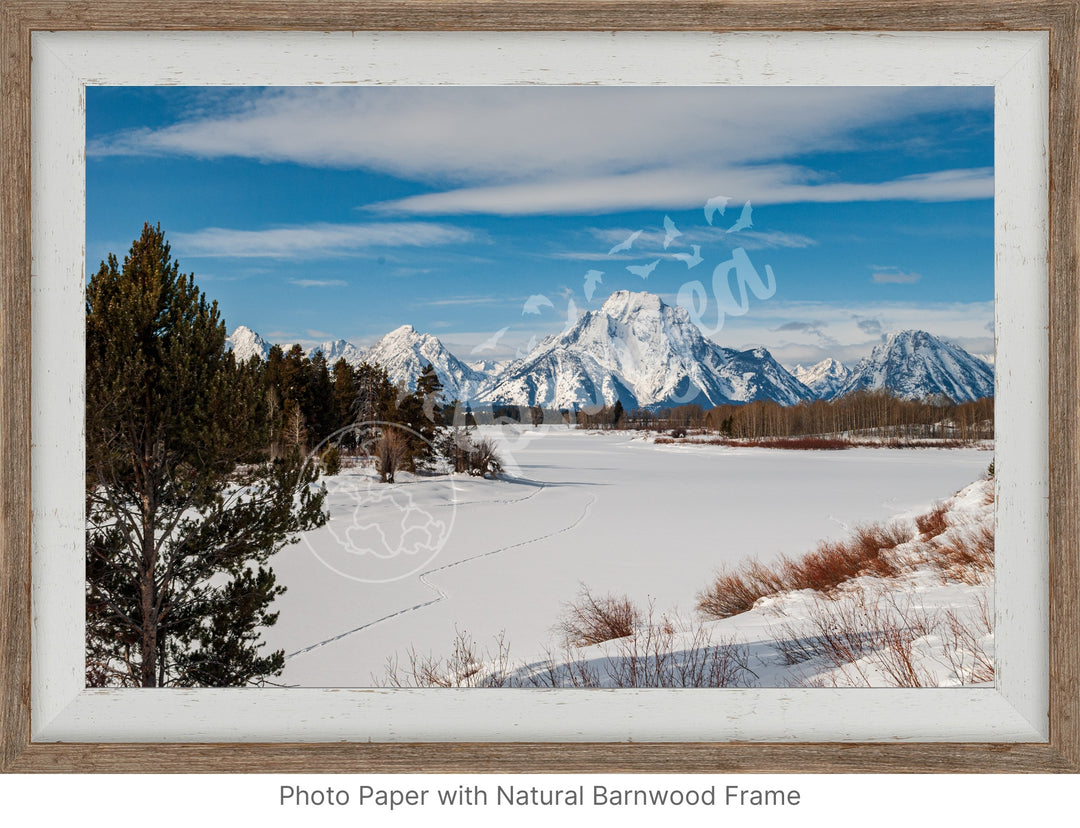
(357, 411)
(864, 414)
(306, 402)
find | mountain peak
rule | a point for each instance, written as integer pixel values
(245, 344)
(824, 378)
(622, 303)
(405, 353)
(915, 364)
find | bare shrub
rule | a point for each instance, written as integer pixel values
(897, 659)
(933, 523)
(391, 453)
(468, 456)
(466, 666)
(484, 460)
(966, 555)
(965, 644)
(657, 655)
(661, 652)
(794, 443)
(859, 632)
(591, 619)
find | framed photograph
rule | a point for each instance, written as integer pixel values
(539, 387)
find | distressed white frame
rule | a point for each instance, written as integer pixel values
(1014, 710)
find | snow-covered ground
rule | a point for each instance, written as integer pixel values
(407, 565)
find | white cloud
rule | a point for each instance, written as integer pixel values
(894, 276)
(470, 301)
(848, 331)
(315, 240)
(675, 189)
(611, 148)
(306, 283)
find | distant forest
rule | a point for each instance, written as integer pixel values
(863, 414)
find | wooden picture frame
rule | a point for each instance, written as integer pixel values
(1060, 19)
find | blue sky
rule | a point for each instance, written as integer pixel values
(316, 213)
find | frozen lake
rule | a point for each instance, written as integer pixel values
(404, 565)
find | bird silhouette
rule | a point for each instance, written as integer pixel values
(691, 260)
(671, 232)
(535, 302)
(743, 221)
(625, 244)
(490, 343)
(716, 204)
(643, 270)
(528, 348)
(571, 314)
(592, 279)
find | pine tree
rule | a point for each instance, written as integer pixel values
(183, 510)
(429, 388)
(617, 414)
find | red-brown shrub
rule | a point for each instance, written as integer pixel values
(737, 589)
(966, 555)
(933, 523)
(591, 619)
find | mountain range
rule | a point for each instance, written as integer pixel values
(642, 352)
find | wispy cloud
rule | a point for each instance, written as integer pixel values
(868, 324)
(680, 189)
(469, 301)
(894, 276)
(807, 332)
(497, 150)
(318, 283)
(318, 240)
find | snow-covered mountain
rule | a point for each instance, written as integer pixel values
(245, 344)
(825, 378)
(914, 365)
(488, 367)
(404, 353)
(645, 353)
(642, 352)
(339, 349)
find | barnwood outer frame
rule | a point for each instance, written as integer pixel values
(1060, 18)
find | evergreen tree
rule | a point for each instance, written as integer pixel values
(183, 511)
(429, 388)
(617, 414)
(318, 400)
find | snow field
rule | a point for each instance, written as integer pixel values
(609, 510)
